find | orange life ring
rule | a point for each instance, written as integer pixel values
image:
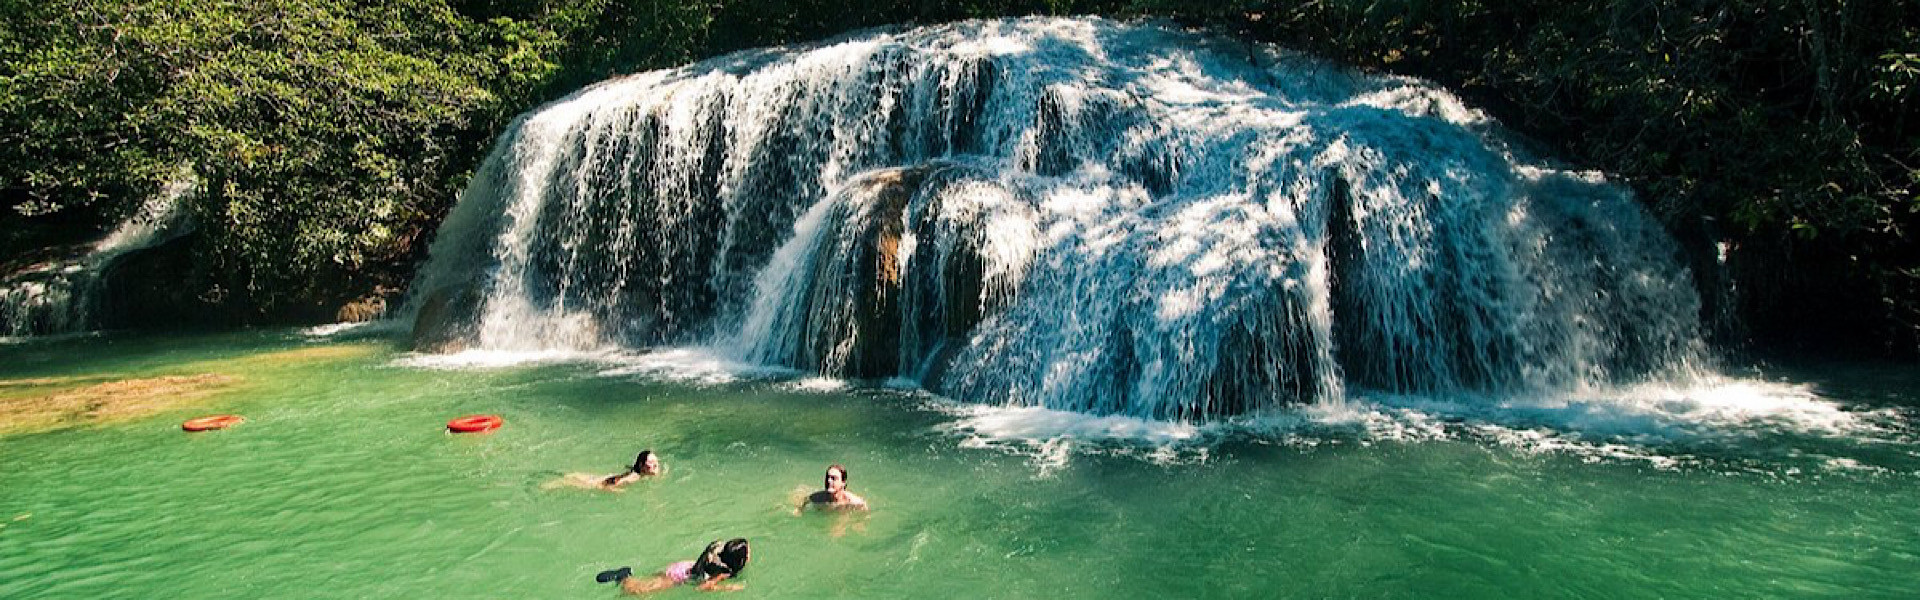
(211, 423)
(474, 423)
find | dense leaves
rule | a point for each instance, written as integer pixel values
(329, 136)
(318, 131)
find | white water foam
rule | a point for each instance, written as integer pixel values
(1659, 425)
(988, 425)
(1848, 464)
(502, 359)
(355, 328)
(1653, 413)
(694, 365)
(1663, 426)
(10, 340)
(818, 385)
(1051, 438)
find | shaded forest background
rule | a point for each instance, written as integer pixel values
(1775, 138)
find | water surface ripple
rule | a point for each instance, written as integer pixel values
(343, 484)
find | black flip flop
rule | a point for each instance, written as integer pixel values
(614, 575)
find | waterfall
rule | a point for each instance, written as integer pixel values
(1070, 213)
(64, 295)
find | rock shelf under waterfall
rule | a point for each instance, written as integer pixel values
(1071, 213)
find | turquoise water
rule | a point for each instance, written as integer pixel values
(344, 484)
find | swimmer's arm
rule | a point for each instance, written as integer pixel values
(712, 584)
(615, 482)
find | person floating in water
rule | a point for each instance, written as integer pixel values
(836, 496)
(719, 562)
(647, 464)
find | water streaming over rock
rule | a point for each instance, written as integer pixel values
(1071, 213)
(64, 295)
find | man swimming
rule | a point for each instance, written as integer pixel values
(836, 496)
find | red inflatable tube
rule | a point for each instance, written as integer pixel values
(474, 423)
(211, 423)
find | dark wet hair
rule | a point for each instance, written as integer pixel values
(729, 557)
(639, 462)
(844, 477)
(735, 554)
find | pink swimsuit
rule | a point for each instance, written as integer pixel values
(679, 572)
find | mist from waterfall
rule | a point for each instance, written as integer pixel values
(1074, 214)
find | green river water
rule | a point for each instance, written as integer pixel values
(344, 484)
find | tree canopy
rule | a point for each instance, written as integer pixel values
(328, 137)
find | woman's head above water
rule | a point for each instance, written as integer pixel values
(729, 557)
(645, 465)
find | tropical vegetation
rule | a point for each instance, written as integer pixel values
(326, 138)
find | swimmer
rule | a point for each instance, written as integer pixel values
(719, 562)
(647, 464)
(836, 496)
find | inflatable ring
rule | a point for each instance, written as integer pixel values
(211, 423)
(474, 423)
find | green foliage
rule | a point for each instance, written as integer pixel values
(325, 134)
(331, 135)
(72, 112)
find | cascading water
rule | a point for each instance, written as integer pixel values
(1069, 213)
(63, 296)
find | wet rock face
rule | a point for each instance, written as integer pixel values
(366, 308)
(874, 305)
(144, 289)
(946, 283)
(883, 278)
(79, 292)
(850, 309)
(448, 320)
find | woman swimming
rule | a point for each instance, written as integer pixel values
(647, 464)
(644, 465)
(719, 562)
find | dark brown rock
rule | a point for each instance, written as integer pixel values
(448, 320)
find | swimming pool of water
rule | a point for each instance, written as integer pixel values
(344, 484)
